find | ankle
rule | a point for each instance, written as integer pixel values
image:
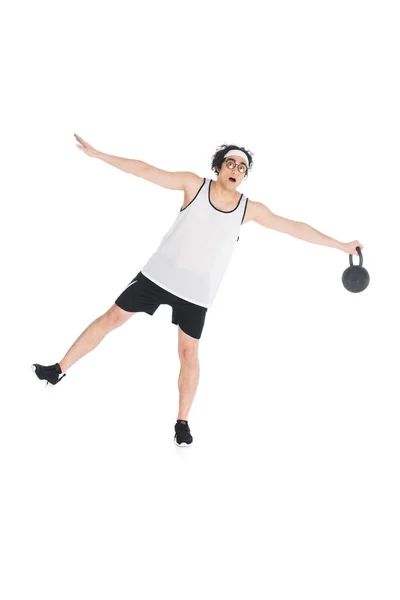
(62, 367)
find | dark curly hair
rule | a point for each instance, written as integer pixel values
(217, 159)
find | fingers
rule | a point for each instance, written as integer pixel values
(80, 140)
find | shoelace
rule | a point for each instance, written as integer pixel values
(182, 430)
(184, 426)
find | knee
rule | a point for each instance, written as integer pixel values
(112, 320)
(108, 322)
(188, 356)
(115, 317)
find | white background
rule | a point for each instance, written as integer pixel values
(291, 487)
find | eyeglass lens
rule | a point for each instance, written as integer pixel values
(230, 163)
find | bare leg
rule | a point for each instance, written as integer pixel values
(189, 374)
(187, 383)
(93, 335)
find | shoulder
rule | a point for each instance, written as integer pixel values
(192, 183)
(194, 179)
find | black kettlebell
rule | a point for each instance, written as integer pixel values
(355, 278)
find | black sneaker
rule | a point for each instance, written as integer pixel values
(182, 433)
(51, 374)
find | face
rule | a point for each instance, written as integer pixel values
(230, 169)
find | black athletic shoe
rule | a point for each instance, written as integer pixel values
(51, 374)
(182, 433)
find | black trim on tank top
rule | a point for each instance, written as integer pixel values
(198, 192)
(223, 211)
(244, 212)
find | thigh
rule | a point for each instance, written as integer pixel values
(117, 315)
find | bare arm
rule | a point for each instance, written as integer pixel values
(175, 180)
(129, 165)
(262, 215)
(171, 180)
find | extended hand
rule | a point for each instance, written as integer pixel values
(87, 148)
(350, 247)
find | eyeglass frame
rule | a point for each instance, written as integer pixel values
(236, 164)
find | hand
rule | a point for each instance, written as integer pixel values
(350, 247)
(87, 148)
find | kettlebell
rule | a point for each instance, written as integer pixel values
(355, 278)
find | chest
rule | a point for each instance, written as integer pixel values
(189, 194)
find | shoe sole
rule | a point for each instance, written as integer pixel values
(183, 444)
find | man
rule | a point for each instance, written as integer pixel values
(189, 264)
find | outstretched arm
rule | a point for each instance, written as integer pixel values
(171, 180)
(129, 165)
(265, 217)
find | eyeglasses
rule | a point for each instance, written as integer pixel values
(231, 164)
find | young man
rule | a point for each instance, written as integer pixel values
(186, 270)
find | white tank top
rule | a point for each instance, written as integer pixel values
(194, 254)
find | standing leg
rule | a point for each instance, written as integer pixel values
(190, 372)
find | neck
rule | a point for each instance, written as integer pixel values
(224, 192)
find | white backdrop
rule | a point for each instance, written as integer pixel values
(291, 488)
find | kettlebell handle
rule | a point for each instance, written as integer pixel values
(359, 256)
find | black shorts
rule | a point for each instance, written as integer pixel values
(143, 295)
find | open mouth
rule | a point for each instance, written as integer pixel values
(232, 179)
